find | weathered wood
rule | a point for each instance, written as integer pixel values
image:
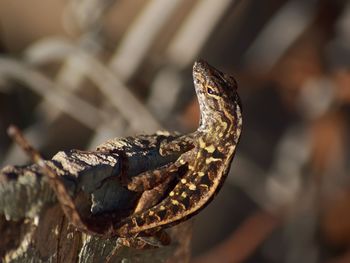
(33, 226)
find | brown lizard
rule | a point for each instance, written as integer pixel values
(207, 164)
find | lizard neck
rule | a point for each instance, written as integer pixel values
(221, 125)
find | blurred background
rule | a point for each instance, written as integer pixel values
(74, 73)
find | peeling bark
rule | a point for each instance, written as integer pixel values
(34, 228)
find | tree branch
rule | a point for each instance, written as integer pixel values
(40, 231)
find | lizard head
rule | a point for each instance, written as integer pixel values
(217, 95)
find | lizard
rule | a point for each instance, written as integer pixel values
(204, 158)
(207, 163)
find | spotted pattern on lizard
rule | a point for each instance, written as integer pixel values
(207, 164)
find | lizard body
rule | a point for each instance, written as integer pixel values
(207, 164)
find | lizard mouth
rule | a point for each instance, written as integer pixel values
(200, 71)
(200, 64)
(204, 73)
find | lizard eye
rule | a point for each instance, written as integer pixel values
(210, 91)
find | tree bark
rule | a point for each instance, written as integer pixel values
(34, 228)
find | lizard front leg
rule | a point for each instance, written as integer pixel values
(152, 196)
(182, 143)
(150, 179)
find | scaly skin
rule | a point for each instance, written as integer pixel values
(207, 164)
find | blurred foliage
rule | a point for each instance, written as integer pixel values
(75, 73)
